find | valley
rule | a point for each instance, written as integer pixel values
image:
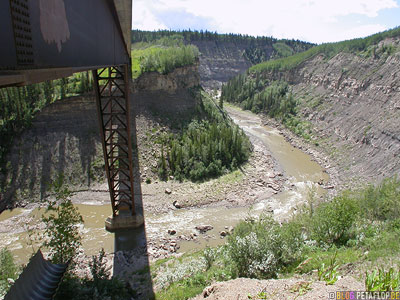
(283, 171)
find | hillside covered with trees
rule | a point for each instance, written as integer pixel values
(207, 145)
(256, 50)
(232, 53)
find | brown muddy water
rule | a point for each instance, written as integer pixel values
(302, 171)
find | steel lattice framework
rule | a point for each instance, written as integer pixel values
(112, 96)
(45, 40)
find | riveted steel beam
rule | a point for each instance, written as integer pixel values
(112, 98)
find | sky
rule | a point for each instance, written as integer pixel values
(316, 21)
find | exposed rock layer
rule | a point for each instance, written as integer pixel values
(353, 104)
(64, 137)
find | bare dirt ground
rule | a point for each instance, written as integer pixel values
(293, 288)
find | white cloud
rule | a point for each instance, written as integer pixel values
(312, 20)
(143, 17)
(359, 31)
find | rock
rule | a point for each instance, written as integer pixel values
(171, 231)
(223, 233)
(168, 191)
(230, 229)
(171, 177)
(204, 228)
(273, 186)
(10, 281)
(176, 204)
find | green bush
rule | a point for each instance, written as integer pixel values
(332, 222)
(261, 248)
(8, 270)
(61, 235)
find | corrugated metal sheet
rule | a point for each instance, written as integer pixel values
(38, 281)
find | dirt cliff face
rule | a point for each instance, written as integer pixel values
(180, 78)
(64, 138)
(220, 61)
(353, 104)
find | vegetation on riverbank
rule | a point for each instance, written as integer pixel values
(355, 227)
(208, 144)
(274, 99)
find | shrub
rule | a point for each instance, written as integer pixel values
(260, 248)
(332, 222)
(61, 235)
(209, 255)
(8, 270)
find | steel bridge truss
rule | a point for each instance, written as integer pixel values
(112, 97)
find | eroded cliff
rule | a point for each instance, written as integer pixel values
(64, 138)
(353, 104)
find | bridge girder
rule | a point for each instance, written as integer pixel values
(44, 40)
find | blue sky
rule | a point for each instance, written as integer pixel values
(315, 21)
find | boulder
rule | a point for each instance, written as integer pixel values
(204, 228)
(171, 231)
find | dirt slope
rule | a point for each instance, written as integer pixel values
(274, 289)
(353, 104)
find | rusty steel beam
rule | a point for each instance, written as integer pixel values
(112, 98)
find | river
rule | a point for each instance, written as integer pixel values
(302, 172)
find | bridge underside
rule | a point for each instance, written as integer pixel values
(45, 40)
